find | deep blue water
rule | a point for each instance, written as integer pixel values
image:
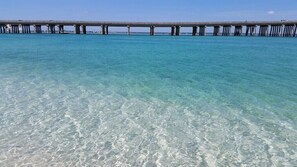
(113, 100)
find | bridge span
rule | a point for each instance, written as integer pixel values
(234, 28)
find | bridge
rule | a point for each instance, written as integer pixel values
(236, 28)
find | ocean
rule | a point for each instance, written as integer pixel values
(116, 100)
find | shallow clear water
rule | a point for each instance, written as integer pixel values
(75, 100)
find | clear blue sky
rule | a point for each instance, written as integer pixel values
(150, 10)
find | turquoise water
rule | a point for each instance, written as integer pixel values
(90, 100)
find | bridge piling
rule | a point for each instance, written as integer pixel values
(295, 31)
(2, 29)
(226, 30)
(106, 31)
(172, 31)
(285, 31)
(129, 30)
(29, 29)
(15, 29)
(194, 31)
(238, 31)
(278, 31)
(288, 31)
(202, 30)
(76, 29)
(263, 31)
(51, 29)
(250, 30)
(11, 29)
(102, 29)
(275, 30)
(84, 29)
(177, 30)
(26, 29)
(37, 29)
(247, 30)
(152, 30)
(216, 31)
(61, 29)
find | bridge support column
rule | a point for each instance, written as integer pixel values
(106, 31)
(152, 30)
(76, 29)
(103, 30)
(250, 30)
(51, 29)
(15, 29)
(84, 29)
(26, 29)
(275, 30)
(226, 31)
(61, 29)
(278, 30)
(129, 30)
(216, 31)
(2, 29)
(172, 31)
(23, 29)
(177, 30)
(38, 29)
(272, 30)
(295, 31)
(238, 31)
(202, 30)
(288, 31)
(263, 31)
(194, 32)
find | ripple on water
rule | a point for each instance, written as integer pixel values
(113, 115)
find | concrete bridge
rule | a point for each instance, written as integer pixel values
(237, 28)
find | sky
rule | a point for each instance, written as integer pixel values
(149, 10)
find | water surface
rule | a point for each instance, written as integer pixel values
(91, 100)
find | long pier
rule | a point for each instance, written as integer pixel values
(236, 28)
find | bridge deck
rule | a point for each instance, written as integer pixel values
(266, 28)
(146, 24)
